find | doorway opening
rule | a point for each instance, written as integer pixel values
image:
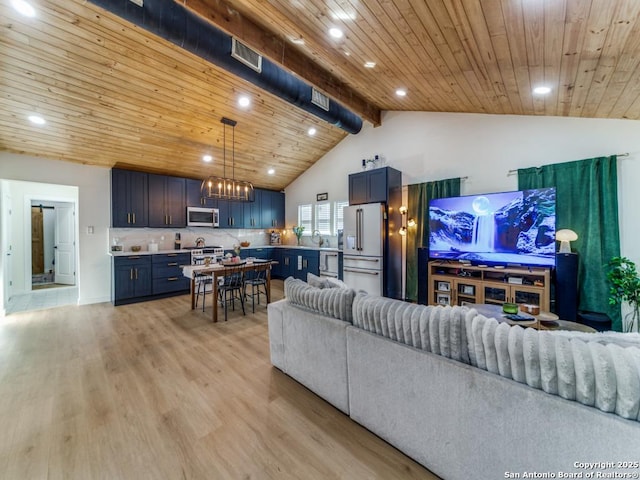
(52, 244)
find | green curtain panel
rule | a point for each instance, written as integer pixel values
(587, 203)
(419, 195)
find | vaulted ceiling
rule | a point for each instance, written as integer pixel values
(113, 93)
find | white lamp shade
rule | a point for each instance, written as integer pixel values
(565, 236)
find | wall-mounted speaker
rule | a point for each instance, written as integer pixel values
(567, 286)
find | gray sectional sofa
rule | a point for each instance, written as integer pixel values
(465, 396)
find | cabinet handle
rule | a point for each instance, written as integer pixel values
(170, 220)
(172, 279)
(136, 273)
(172, 254)
(134, 217)
(131, 274)
(135, 257)
(304, 263)
(128, 218)
(362, 271)
(172, 264)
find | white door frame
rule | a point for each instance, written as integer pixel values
(28, 200)
(6, 272)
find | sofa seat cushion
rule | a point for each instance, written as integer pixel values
(332, 302)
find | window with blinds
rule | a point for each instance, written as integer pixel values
(323, 218)
(338, 216)
(305, 218)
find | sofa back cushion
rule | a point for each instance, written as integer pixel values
(332, 302)
(440, 330)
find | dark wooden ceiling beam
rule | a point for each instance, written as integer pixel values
(272, 46)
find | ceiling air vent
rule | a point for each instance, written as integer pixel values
(249, 57)
(319, 99)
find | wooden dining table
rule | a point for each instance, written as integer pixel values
(217, 270)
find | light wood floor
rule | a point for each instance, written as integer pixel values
(156, 391)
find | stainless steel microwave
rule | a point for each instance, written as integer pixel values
(203, 217)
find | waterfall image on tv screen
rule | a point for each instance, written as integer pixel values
(495, 229)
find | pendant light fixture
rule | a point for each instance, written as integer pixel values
(225, 188)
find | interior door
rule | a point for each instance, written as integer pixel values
(65, 258)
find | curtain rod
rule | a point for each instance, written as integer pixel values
(513, 172)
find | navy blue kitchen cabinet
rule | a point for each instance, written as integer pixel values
(372, 186)
(129, 198)
(252, 211)
(131, 277)
(167, 273)
(167, 205)
(194, 195)
(310, 264)
(231, 214)
(272, 209)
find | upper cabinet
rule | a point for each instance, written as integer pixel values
(149, 200)
(272, 209)
(231, 214)
(374, 186)
(194, 195)
(129, 198)
(253, 210)
(167, 206)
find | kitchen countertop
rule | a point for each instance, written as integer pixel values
(161, 252)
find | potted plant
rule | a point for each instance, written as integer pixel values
(625, 287)
(298, 230)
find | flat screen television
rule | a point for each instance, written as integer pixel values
(505, 228)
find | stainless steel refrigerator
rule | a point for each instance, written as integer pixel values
(364, 238)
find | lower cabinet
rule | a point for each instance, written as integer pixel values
(137, 278)
(131, 277)
(167, 273)
(293, 262)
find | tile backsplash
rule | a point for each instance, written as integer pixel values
(165, 237)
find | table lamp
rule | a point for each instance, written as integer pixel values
(565, 236)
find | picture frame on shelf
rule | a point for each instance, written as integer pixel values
(443, 286)
(467, 289)
(443, 299)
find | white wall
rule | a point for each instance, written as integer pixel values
(93, 193)
(433, 146)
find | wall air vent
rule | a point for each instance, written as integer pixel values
(319, 99)
(250, 58)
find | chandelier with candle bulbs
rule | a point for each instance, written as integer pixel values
(228, 188)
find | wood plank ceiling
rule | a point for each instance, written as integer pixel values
(114, 94)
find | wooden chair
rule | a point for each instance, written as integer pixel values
(231, 288)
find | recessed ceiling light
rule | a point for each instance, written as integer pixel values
(244, 101)
(207, 158)
(401, 92)
(348, 54)
(271, 171)
(37, 119)
(312, 131)
(23, 8)
(335, 32)
(298, 41)
(541, 90)
(369, 64)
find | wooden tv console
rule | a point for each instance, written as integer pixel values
(451, 283)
